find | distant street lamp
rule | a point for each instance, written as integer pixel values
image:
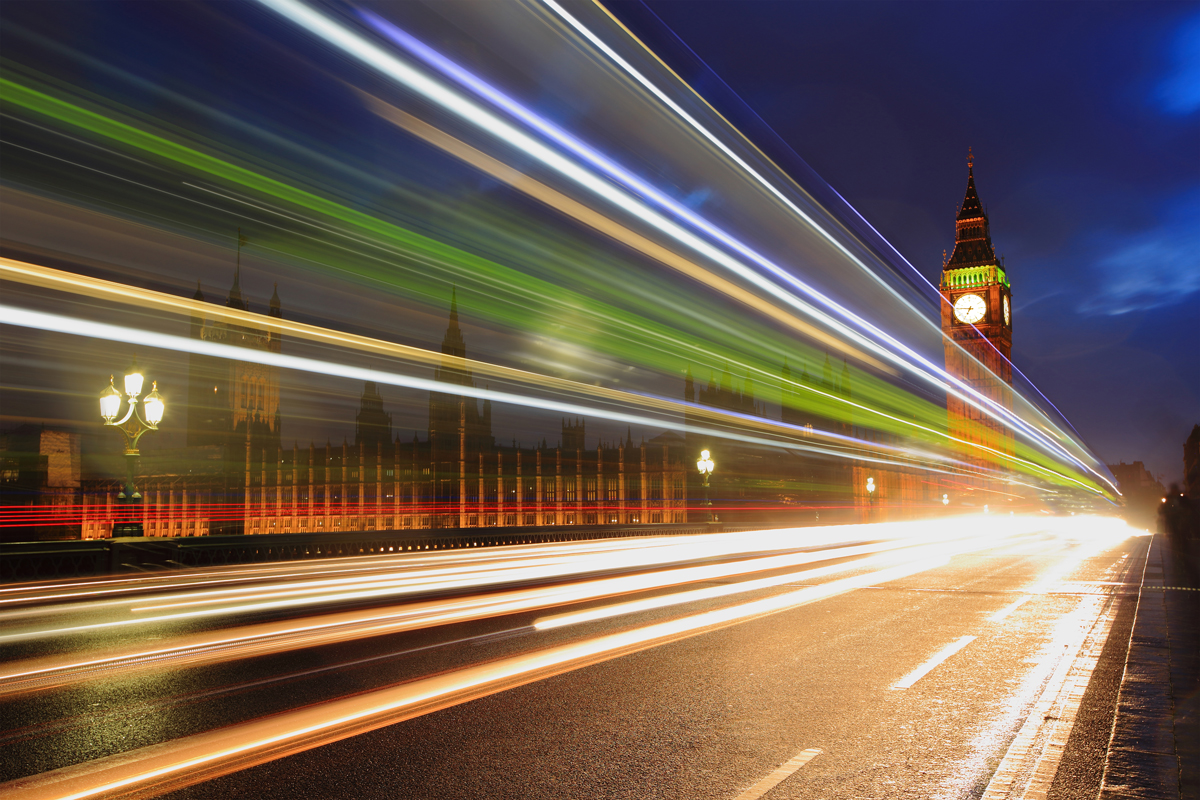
(705, 465)
(945, 499)
(870, 495)
(131, 426)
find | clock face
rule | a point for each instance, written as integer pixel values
(970, 308)
(1007, 313)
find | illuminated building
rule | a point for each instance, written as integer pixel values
(231, 403)
(372, 425)
(233, 406)
(40, 479)
(977, 322)
(761, 485)
(458, 477)
(457, 426)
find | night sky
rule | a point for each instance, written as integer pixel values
(1085, 123)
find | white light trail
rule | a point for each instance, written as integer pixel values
(203, 756)
(946, 380)
(119, 333)
(395, 68)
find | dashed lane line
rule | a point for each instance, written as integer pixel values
(779, 775)
(1011, 607)
(940, 656)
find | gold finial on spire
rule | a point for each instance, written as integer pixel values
(970, 158)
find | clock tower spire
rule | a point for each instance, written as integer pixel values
(977, 322)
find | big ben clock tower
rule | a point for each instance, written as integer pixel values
(977, 323)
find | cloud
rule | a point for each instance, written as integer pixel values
(1179, 92)
(1150, 269)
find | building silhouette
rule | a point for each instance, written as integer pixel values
(231, 403)
(458, 427)
(232, 413)
(372, 425)
(236, 478)
(1143, 492)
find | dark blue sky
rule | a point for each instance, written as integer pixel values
(1085, 123)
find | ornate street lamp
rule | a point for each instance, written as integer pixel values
(705, 465)
(132, 426)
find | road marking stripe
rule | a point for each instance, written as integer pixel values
(778, 776)
(923, 670)
(1008, 609)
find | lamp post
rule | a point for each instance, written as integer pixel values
(132, 426)
(870, 498)
(705, 465)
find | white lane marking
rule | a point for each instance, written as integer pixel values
(775, 778)
(941, 655)
(1008, 609)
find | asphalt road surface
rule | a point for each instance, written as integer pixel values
(974, 657)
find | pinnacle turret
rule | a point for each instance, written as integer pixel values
(972, 235)
(235, 292)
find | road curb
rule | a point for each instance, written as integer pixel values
(1141, 760)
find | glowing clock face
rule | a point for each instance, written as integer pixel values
(1007, 313)
(970, 308)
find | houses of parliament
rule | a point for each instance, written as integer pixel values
(235, 477)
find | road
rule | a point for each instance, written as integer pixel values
(950, 658)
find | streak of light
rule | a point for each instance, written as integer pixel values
(50, 597)
(695, 595)
(996, 407)
(60, 324)
(204, 756)
(275, 637)
(515, 571)
(45, 277)
(939, 544)
(36, 275)
(606, 225)
(397, 69)
(1100, 535)
(120, 333)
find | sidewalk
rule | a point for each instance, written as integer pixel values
(1155, 747)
